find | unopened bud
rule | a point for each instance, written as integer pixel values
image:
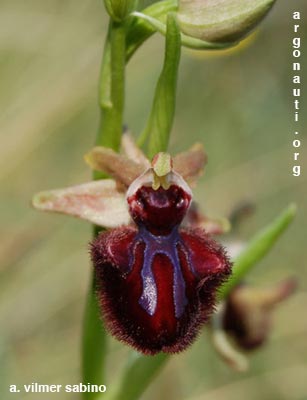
(248, 312)
(246, 317)
(221, 20)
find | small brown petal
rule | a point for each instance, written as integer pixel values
(118, 166)
(190, 163)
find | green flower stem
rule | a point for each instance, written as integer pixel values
(112, 88)
(111, 100)
(138, 374)
(105, 101)
(93, 346)
(257, 248)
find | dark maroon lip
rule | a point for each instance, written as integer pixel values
(157, 292)
(157, 282)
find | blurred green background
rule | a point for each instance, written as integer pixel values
(238, 103)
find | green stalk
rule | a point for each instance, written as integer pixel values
(111, 100)
(138, 374)
(105, 101)
(94, 344)
(112, 88)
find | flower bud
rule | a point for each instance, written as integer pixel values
(119, 9)
(248, 312)
(221, 20)
(246, 317)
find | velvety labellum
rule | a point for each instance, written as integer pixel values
(157, 282)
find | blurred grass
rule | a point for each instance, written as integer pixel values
(239, 105)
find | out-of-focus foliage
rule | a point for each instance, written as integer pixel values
(238, 103)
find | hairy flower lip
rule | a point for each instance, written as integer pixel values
(112, 277)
